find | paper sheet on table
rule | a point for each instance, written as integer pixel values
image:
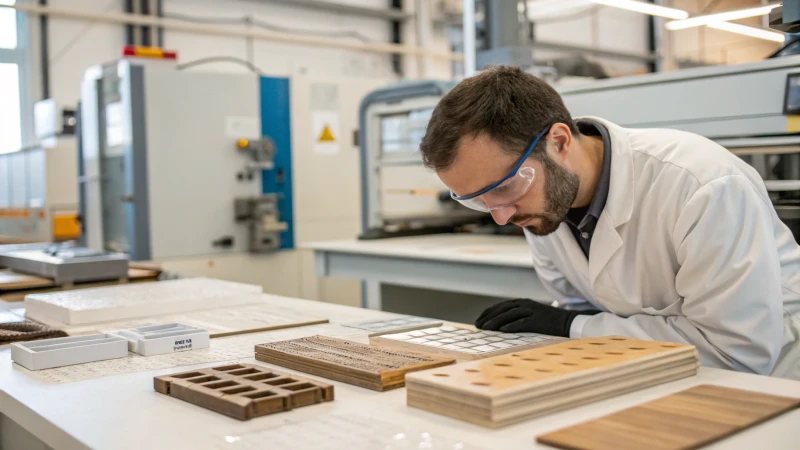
(217, 321)
(227, 349)
(349, 431)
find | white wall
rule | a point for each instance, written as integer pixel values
(76, 45)
(600, 27)
(709, 46)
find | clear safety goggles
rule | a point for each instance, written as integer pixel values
(507, 191)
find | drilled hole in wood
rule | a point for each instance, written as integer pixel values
(471, 370)
(513, 377)
(553, 354)
(203, 379)
(243, 371)
(530, 359)
(576, 348)
(543, 370)
(230, 367)
(597, 343)
(279, 381)
(260, 376)
(237, 390)
(502, 364)
(299, 387)
(636, 348)
(669, 346)
(187, 375)
(221, 384)
(614, 353)
(441, 375)
(568, 364)
(260, 394)
(515, 355)
(589, 357)
(619, 339)
(480, 383)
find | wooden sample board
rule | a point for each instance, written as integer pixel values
(243, 391)
(462, 343)
(349, 362)
(685, 420)
(506, 389)
(12, 281)
(85, 306)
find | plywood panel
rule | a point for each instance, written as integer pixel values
(685, 420)
(501, 390)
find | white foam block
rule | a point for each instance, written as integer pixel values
(49, 353)
(134, 300)
(167, 338)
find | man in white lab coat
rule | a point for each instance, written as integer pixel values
(648, 233)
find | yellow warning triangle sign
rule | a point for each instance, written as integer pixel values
(326, 135)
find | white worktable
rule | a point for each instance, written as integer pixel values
(124, 412)
(499, 266)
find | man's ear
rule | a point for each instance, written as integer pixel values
(561, 139)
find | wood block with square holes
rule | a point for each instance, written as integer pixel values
(463, 344)
(506, 389)
(685, 420)
(243, 391)
(369, 367)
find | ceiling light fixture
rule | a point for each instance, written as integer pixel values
(720, 17)
(748, 31)
(645, 8)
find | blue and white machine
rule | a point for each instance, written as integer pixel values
(176, 164)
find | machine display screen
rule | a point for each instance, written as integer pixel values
(402, 133)
(791, 103)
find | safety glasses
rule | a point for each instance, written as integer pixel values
(508, 190)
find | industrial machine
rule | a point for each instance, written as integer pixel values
(399, 196)
(751, 109)
(168, 159)
(203, 171)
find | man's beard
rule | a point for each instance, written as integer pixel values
(560, 191)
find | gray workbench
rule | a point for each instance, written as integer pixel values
(496, 266)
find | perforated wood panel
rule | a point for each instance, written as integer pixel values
(350, 362)
(463, 344)
(243, 391)
(509, 388)
(684, 420)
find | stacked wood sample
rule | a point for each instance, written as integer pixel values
(684, 420)
(243, 391)
(506, 389)
(462, 343)
(349, 362)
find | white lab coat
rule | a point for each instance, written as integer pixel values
(688, 249)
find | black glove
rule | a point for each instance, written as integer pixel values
(523, 315)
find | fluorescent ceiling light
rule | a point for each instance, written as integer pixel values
(545, 9)
(720, 17)
(645, 8)
(748, 31)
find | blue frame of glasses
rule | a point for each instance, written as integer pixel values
(510, 174)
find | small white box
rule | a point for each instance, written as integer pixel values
(49, 353)
(167, 338)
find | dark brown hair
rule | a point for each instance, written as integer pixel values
(504, 102)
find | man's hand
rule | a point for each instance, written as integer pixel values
(523, 315)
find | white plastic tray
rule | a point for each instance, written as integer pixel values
(167, 338)
(110, 303)
(49, 353)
